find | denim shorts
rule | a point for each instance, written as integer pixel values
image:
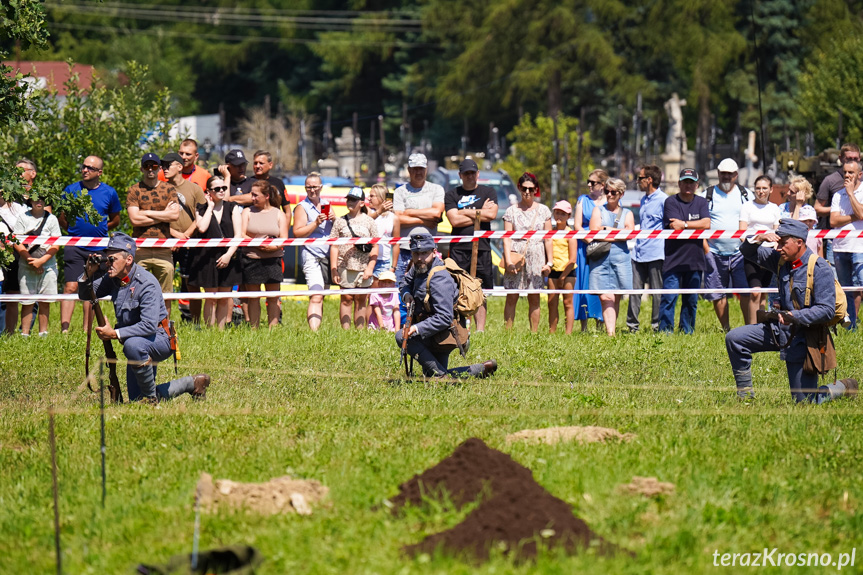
(724, 272)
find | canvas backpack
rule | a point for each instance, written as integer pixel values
(470, 296)
(841, 300)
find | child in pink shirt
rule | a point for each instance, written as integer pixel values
(384, 306)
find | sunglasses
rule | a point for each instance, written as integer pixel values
(610, 192)
(643, 178)
(592, 183)
(219, 189)
(86, 168)
(529, 189)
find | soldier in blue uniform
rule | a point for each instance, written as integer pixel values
(443, 293)
(777, 334)
(142, 322)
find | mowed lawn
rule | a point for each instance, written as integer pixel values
(334, 407)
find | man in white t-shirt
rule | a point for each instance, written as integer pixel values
(417, 204)
(846, 213)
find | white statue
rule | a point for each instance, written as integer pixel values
(675, 142)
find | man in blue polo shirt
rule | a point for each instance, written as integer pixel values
(107, 203)
(648, 255)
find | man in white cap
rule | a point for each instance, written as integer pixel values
(417, 204)
(724, 262)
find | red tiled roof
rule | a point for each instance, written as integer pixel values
(55, 73)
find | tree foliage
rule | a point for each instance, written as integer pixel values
(117, 125)
(533, 151)
(831, 83)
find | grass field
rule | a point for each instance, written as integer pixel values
(333, 406)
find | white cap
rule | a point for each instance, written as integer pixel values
(727, 165)
(418, 161)
(807, 213)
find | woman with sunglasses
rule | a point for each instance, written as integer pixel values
(587, 306)
(217, 269)
(526, 262)
(613, 270)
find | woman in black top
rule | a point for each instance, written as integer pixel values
(216, 269)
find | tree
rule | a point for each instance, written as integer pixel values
(830, 84)
(533, 151)
(702, 42)
(117, 125)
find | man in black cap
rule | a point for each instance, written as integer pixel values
(684, 259)
(464, 205)
(786, 331)
(235, 169)
(142, 322)
(434, 311)
(152, 206)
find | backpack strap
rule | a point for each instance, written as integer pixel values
(810, 282)
(432, 272)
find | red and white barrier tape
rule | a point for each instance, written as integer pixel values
(19, 298)
(618, 235)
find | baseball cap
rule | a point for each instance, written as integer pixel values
(236, 158)
(468, 165)
(807, 213)
(387, 275)
(151, 157)
(171, 158)
(563, 206)
(688, 174)
(418, 161)
(727, 165)
(356, 193)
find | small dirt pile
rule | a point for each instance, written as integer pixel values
(279, 495)
(647, 486)
(514, 513)
(552, 435)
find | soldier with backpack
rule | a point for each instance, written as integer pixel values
(809, 303)
(443, 295)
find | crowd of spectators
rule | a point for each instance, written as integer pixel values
(177, 198)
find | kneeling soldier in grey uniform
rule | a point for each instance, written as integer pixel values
(142, 322)
(442, 292)
(778, 334)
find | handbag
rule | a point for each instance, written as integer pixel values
(598, 250)
(364, 248)
(820, 351)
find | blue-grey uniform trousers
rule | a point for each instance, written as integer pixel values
(434, 364)
(742, 342)
(143, 354)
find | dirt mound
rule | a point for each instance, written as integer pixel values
(515, 512)
(647, 486)
(279, 495)
(552, 435)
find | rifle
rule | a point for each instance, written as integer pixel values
(114, 384)
(474, 254)
(405, 331)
